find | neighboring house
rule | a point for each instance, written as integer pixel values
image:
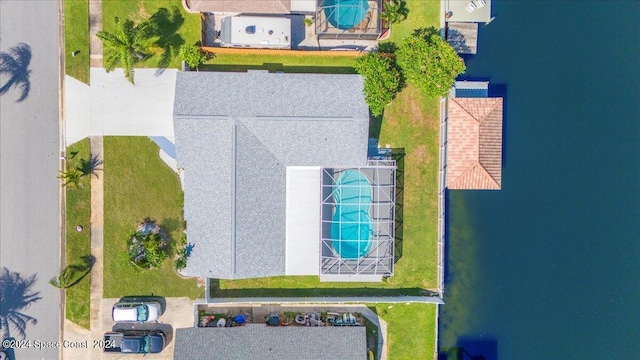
(256, 32)
(278, 180)
(474, 138)
(259, 341)
(333, 19)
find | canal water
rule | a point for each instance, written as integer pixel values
(549, 267)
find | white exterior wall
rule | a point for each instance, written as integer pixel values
(303, 220)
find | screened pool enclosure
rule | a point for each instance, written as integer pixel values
(358, 219)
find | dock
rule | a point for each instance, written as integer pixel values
(463, 37)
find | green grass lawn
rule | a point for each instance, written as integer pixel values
(273, 63)
(410, 329)
(78, 244)
(76, 38)
(422, 13)
(142, 10)
(138, 184)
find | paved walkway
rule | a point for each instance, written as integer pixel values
(95, 25)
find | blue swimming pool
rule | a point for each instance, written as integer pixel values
(345, 14)
(351, 226)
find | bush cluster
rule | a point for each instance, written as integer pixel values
(423, 59)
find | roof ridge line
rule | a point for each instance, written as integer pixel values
(234, 159)
(465, 109)
(489, 174)
(470, 168)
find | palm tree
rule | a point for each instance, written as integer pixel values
(15, 64)
(125, 45)
(16, 295)
(71, 176)
(395, 11)
(74, 273)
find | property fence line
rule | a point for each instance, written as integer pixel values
(442, 177)
(442, 212)
(329, 300)
(280, 52)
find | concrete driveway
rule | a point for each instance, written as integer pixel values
(178, 314)
(113, 106)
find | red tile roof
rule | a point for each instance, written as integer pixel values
(241, 6)
(474, 144)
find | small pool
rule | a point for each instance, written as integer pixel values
(345, 14)
(351, 223)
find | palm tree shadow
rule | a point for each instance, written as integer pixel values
(165, 25)
(15, 65)
(91, 166)
(16, 295)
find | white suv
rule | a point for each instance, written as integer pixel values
(140, 312)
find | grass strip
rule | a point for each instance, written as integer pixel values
(78, 244)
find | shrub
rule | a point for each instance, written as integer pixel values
(381, 79)
(395, 11)
(148, 246)
(183, 253)
(192, 55)
(429, 62)
(72, 274)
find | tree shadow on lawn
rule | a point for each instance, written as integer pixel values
(171, 225)
(165, 25)
(398, 155)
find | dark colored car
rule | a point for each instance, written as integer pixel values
(7, 353)
(135, 342)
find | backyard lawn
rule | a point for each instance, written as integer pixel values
(410, 329)
(138, 184)
(78, 244)
(76, 39)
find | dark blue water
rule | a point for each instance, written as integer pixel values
(549, 267)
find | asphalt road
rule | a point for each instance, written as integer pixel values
(29, 158)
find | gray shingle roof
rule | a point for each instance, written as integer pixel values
(235, 135)
(257, 341)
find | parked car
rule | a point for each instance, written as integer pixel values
(134, 342)
(145, 311)
(7, 353)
